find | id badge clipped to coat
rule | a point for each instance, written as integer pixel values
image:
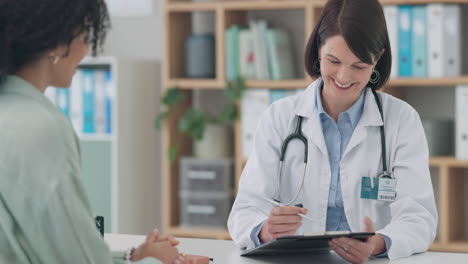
(376, 188)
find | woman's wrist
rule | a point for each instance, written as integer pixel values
(133, 254)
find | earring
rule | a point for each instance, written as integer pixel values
(317, 66)
(54, 59)
(375, 77)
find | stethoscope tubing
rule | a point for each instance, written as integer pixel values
(298, 135)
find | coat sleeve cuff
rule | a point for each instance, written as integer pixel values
(388, 244)
(255, 233)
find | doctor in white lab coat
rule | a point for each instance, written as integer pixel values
(342, 123)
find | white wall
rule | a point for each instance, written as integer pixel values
(137, 37)
(138, 41)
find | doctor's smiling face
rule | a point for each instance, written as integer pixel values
(344, 74)
(346, 45)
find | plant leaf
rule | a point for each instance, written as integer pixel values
(193, 123)
(229, 114)
(173, 96)
(230, 92)
(159, 119)
(235, 89)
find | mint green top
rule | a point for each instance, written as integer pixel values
(45, 216)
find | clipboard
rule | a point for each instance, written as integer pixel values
(299, 244)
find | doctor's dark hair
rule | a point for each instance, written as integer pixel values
(362, 25)
(30, 28)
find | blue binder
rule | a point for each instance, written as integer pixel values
(62, 99)
(109, 102)
(404, 42)
(277, 94)
(88, 101)
(419, 41)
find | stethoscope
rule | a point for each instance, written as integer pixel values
(297, 134)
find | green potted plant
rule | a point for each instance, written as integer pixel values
(195, 122)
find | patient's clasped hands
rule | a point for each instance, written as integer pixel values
(162, 248)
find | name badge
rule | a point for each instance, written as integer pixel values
(382, 189)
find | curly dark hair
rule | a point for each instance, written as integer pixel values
(28, 28)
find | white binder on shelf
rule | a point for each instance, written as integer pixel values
(419, 42)
(254, 103)
(435, 40)
(444, 36)
(464, 44)
(391, 17)
(76, 102)
(452, 39)
(246, 55)
(100, 102)
(259, 42)
(461, 119)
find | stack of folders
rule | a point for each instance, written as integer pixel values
(258, 52)
(254, 103)
(88, 102)
(426, 40)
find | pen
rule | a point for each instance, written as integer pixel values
(279, 204)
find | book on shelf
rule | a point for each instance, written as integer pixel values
(426, 40)
(391, 17)
(109, 101)
(461, 122)
(280, 54)
(258, 52)
(100, 102)
(444, 40)
(254, 102)
(259, 29)
(452, 38)
(88, 87)
(62, 97)
(419, 42)
(404, 41)
(232, 52)
(76, 101)
(88, 102)
(246, 55)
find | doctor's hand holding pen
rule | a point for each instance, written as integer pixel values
(282, 221)
(356, 251)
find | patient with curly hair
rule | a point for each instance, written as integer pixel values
(45, 216)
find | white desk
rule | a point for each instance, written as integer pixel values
(225, 252)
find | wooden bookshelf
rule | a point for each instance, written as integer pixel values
(177, 16)
(303, 83)
(449, 81)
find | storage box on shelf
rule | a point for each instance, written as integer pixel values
(206, 192)
(447, 170)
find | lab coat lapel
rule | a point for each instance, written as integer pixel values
(306, 107)
(370, 117)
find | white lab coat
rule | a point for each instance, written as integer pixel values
(410, 221)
